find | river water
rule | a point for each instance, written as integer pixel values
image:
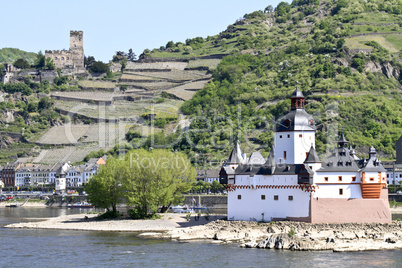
(60, 248)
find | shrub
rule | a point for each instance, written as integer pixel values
(22, 64)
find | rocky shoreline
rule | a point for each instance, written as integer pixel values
(298, 236)
(283, 235)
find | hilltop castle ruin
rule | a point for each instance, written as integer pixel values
(72, 58)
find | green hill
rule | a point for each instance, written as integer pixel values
(10, 55)
(344, 54)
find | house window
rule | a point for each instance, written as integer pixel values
(290, 197)
(239, 196)
(284, 155)
(300, 135)
(326, 179)
(263, 197)
(288, 136)
(387, 175)
(280, 136)
(353, 178)
(340, 178)
(340, 191)
(276, 197)
(371, 179)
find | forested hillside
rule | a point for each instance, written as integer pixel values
(345, 56)
(10, 55)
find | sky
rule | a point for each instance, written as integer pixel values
(118, 25)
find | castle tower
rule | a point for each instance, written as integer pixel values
(295, 133)
(77, 48)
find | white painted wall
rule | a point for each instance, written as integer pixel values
(332, 191)
(296, 147)
(252, 207)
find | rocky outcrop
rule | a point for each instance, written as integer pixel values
(298, 235)
(386, 68)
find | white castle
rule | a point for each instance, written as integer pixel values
(294, 184)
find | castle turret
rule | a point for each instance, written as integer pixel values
(295, 132)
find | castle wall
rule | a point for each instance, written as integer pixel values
(262, 205)
(61, 58)
(69, 58)
(337, 210)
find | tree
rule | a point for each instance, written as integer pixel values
(105, 189)
(40, 61)
(131, 55)
(45, 103)
(50, 64)
(99, 67)
(156, 178)
(22, 64)
(269, 9)
(88, 61)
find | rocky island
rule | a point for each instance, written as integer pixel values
(285, 235)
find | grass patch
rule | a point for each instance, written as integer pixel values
(385, 41)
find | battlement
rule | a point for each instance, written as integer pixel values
(65, 52)
(76, 33)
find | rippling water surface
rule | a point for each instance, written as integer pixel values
(54, 248)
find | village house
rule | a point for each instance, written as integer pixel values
(294, 184)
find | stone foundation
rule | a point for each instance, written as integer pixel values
(337, 210)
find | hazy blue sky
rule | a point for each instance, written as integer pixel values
(110, 26)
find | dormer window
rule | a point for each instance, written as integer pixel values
(287, 122)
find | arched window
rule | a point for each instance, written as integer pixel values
(62, 58)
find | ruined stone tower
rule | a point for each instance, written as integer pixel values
(77, 48)
(73, 58)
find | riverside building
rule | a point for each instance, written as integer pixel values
(294, 184)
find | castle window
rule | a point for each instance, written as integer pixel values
(55, 58)
(280, 136)
(284, 155)
(371, 179)
(341, 191)
(62, 58)
(68, 58)
(387, 175)
(263, 197)
(239, 196)
(288, 136)
(353, 178)
(276, 197)
(340, 178)
(300, 135)
(290, 197)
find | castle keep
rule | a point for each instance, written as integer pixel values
(72, 58)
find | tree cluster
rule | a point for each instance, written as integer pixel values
(149, 181)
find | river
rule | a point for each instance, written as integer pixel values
(61, 248)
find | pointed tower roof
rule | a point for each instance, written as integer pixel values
(297, 93)
(271, 159)
(342, 141)
(372, 152)
(312, 156)
(236, 156)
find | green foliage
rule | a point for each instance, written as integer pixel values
(50, 64)
(40, 61)
(22, 64)
(105, 189)
(60, 80)
(291, 232)
(8, 55)
(18, 87)
(156, 178)
(99, 67)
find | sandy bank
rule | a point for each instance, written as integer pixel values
(168, 222)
